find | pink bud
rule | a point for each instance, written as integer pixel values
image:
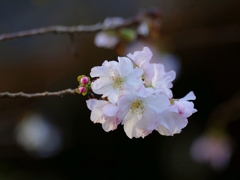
(84, 80)
(82, 89)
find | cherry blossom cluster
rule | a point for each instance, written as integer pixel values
(138, 95)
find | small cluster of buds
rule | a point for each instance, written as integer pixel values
(84, 84)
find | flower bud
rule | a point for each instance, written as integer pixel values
(84, 80)
(82, 89)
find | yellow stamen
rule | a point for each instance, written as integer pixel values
(137, 107)
(117, 82)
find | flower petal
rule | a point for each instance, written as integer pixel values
(189, 96)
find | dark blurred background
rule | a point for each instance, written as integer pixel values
(53, 137)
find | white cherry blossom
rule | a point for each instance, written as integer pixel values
(114, 77)
(141, 113)
(154, 74)
(186, 108)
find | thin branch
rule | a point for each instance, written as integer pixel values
(51, 29)
(153, 13)
(35, 95)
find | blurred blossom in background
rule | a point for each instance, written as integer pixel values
(106, 40)
(38, 136)
(214, 150)
(143, 29)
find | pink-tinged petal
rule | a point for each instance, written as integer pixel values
(105, 113)
(175, 118)
(130, 126)
(140, 57)
(110, 110)
(109, 126)
(163, 127)
(185, 108)
(163, 131)
(189, 96)
(181, 107)
(96, 116)
(111, 123)
(171, 123)
(96, 107)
